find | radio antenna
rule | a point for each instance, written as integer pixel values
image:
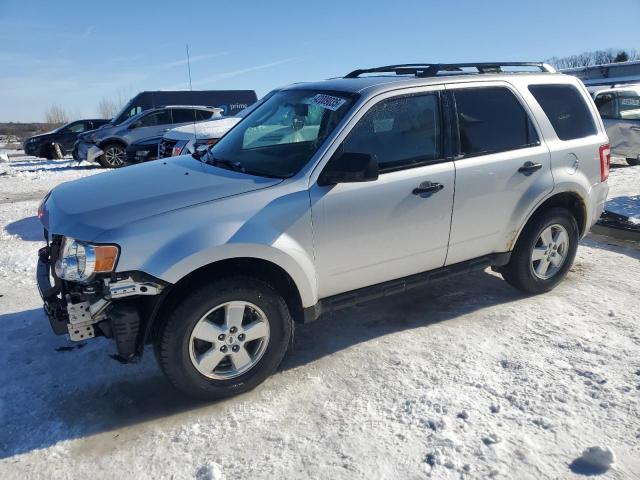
(195, 136)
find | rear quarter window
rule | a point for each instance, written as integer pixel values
(566, 109)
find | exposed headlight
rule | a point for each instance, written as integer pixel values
(79, 261)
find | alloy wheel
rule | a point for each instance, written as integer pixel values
(114, 156)
(229, 340)
(550, 251)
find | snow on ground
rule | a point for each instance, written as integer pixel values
(625, 198)
(465, 379)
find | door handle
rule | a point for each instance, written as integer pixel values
(529, 167)
(635, 128)
(427, 188)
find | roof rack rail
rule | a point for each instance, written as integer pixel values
(433, 69)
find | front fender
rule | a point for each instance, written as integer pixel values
(295, 262)
(269, 224)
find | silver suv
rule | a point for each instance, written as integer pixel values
(108, 144)
(327, 195)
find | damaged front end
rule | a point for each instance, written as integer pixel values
(114, 305)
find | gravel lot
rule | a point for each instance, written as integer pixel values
(465, 379)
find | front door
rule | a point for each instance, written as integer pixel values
(367, 233)
(68, 136)
(150, 125)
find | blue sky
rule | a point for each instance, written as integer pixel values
(75, 53)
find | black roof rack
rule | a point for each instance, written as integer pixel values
(433, 69)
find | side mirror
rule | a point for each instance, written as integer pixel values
(349, 167)
(134, 125)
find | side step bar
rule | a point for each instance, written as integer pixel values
(400, 285)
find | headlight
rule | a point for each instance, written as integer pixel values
(78, 261)
(42, 204)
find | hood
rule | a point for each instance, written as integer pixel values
(85, 208)
(41, 135)
(211, 129)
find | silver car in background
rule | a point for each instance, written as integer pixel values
(190, 138)
(619, 108)
(107, 145)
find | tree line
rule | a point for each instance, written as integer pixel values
(108, 107)
(595, 57)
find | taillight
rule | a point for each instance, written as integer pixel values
(605, 162)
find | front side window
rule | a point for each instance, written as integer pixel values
(399, 132)
(161, 117)
(281, 135)
(490, 120)
(77, 128)
(566, 109)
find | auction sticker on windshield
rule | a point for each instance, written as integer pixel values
(328, 101)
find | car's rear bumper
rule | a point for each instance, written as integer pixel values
(597, 200)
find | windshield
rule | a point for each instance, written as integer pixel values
(128, 111)
(282, 134)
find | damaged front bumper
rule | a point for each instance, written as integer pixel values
(114, 306)
(83, 150)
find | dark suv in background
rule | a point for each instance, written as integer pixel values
(59, 142)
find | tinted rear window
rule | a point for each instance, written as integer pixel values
(491, 119)
(566, 109)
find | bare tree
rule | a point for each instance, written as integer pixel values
(56, 115)
(110, 106)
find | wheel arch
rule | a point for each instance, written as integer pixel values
(570, 200)
(258, 268)
(109, 140)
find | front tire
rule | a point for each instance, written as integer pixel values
(113, 157)
(225, 338)
(633, 161)
(544, 252)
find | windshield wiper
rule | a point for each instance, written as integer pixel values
(228, 164)
(209, 159)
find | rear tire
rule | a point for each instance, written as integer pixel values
(114, 156)
(633, 161)
(538, 265)
(201, 353)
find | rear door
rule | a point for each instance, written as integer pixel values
(367, 233)
(620, 112)
(501, 170)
